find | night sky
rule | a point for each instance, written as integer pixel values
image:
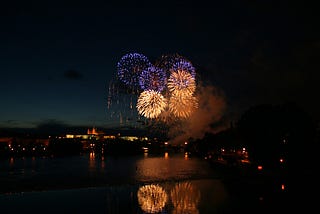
(57, 58)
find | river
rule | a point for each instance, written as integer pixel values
(90, 183)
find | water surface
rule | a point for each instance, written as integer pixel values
(166, 183)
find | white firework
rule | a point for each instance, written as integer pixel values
(151, 103)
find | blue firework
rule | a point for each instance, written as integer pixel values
(167, 61)
(152, 78)
(184, 65)
(175, 62)
(130, 67)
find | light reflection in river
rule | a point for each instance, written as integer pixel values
(185, 198)
(186, 155)
(152, 198)
(11, 161)
(190, 184)
(166, 155)
(167, 167)
(102, 163)
(92, 161)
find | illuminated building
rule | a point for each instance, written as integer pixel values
(94, 131)
(94, 134)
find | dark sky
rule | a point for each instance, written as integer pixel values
(57, 58)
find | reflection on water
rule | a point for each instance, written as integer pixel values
(100, 169)
(168, 183)
(152, 198)
(179, 197)
(185, 198)
(102, 163)
(166, 155)
(186, 155)
(11, 161)
(92, 162)
(171, 167)
(166, 197)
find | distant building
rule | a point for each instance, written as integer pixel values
(93, 133)
(133, 138)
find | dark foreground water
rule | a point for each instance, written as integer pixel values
(168, 183)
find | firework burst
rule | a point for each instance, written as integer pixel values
(167, 62)
(164, 92)
(181, 82)
(153, 78)
(184, 65)
(130, 67)
(182, 105)
(151, 103)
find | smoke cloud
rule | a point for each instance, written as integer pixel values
(211, 109)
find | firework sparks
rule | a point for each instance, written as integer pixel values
(151, 103)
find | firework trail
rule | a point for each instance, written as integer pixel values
(121, 105)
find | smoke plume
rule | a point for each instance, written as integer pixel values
(210, 111)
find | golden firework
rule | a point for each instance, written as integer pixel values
(151, 103)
